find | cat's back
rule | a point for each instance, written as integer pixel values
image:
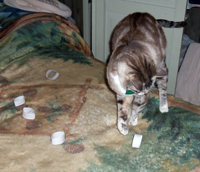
(138, 27)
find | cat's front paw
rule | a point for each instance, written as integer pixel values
(133, 122)
(122, 126)
(164, 108)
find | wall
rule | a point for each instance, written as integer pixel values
(77, 12)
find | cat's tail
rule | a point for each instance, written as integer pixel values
(171, 24)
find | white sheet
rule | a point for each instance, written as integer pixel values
(50, 6)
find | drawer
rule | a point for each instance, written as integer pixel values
(125, 7)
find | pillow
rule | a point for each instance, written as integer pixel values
(49, 6)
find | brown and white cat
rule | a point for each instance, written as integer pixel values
(137, 62)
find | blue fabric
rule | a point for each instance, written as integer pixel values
(194, 1)
(8, 13)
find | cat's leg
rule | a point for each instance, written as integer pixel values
(162, 87)
(123, 104)
(138, 105)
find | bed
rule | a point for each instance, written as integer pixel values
(80, 103)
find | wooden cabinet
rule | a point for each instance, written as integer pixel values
(107, 13)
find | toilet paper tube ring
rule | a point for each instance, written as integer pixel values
(28, 113)
(58, 138)
(137, 140)
(20, 100)
(54, 77)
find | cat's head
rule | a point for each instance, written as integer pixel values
(140, 81)
(139, 85)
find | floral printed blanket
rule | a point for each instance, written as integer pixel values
(80, 103)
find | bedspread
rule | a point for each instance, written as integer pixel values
(80, 103)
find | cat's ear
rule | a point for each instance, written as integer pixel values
(161, 72)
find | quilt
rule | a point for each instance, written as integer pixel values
(80, 103)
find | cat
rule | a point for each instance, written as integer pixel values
(136, 63)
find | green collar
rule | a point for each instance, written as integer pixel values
(129, 92)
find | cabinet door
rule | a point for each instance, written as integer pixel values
(107, 13)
